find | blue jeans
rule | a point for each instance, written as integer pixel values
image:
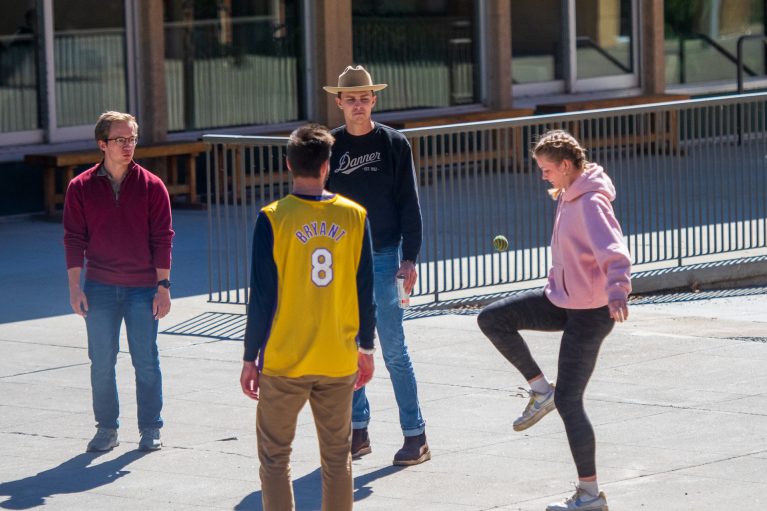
(391, 337)
(107, 307)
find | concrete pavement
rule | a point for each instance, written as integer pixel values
(678, 402)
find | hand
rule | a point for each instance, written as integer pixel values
(161, 303)
(365, 368)
(78, 301)
(249, 379)
(619, 310)
(407, 269)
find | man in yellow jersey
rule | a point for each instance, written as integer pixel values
(311, 323)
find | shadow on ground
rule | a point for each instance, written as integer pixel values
(32, 265)
(76, 475)
(308, 490)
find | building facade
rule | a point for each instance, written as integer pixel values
(188, 67)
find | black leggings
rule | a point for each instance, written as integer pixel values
(583, 333)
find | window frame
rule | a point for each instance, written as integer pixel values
(570, 83)
(50, 132)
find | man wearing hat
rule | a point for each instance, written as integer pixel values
(372, 164)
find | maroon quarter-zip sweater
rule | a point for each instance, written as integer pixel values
(123, 239)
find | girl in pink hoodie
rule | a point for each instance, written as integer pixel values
(586, 293)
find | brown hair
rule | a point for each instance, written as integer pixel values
(308, 148)
(106, 119)
(558, 146)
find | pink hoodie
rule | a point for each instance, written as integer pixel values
(590, 262)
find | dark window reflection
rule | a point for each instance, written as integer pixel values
(18, 67)
(89, 59)
(232, 62)
(423, 49)
(537, 41)
(702, 38)
(603, 38)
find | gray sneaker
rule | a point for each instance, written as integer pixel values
(105, 439)
(536, 409)
(150, 440)
(581, 501)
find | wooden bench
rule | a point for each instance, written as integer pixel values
(662, 130)
(59, 169)
(494, 147)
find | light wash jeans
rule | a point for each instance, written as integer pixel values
(391, 337)
(107, 307)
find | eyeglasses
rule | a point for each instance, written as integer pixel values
(123, 141)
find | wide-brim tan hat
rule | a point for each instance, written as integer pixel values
(354, 79)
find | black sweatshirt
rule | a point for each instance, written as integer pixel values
(376, 171)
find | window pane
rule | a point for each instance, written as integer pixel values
(423, 50)
(603, 30)
(18, 68)
(702, 38)
(537, 41)
(89, 59)
(232, 62)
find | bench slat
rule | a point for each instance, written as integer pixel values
(52, 163)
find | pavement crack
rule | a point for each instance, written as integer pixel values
(46, 344)
(44, 370)
(40, 435)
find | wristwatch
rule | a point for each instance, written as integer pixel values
(164, 283)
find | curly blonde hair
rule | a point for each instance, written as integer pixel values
(557, 146)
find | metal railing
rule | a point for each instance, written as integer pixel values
(685, 187)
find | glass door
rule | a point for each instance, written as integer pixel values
(603, 44)
(19, 111)
(87, 63)
(539, 46)
(425, 51)
(567, 46)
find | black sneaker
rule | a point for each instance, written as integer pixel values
(414, 451)
(360, 443)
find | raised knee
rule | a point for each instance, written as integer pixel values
(567, 402)
(486, 320)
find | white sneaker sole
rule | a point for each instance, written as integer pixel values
(598, 508)
(543, 412)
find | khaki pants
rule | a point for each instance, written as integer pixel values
(281, 400)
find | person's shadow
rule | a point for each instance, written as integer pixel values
(307, 490)
(73, 476)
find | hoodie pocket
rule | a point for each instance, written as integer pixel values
(559, 278)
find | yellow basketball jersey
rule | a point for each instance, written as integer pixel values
(317, 248)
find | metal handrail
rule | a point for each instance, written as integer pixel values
(681, 197)
(739, 62)
(587, 41)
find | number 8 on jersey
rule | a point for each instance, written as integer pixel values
(322, 267)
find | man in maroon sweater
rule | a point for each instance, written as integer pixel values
(117, 225)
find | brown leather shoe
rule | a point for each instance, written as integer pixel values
(360, 443)
(414, 451)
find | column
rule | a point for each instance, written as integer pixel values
(652, 56)
(153, 102)
(497, 44)
(331, 54)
